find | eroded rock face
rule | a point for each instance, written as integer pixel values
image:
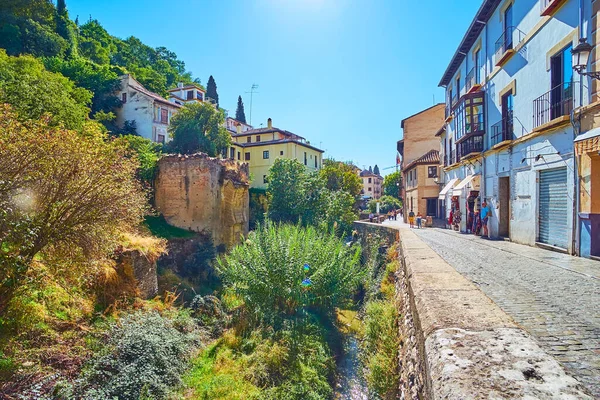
(204, 194)
(134, 264)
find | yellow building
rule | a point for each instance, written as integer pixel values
(261, 147)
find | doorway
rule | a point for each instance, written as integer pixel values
(431, 207)
(504, 207)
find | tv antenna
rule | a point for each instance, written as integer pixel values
(252, 91)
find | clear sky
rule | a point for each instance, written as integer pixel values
(342, 73)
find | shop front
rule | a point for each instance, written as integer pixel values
(466, 205)
(587, 151)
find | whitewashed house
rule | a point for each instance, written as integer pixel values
(151, 112)
(183, 94)
(510, 91)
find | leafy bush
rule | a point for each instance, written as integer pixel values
(145, 357)
(267, 272)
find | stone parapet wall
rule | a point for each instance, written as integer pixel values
(458, 344)
(204, 194)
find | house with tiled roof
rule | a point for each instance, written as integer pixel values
(372, 184)
(421, 188)
(151, 112)
(260, 147)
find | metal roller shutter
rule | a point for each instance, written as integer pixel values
(553, 208)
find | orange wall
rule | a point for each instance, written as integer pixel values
(419, 133)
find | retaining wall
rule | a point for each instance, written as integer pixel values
(456, 342)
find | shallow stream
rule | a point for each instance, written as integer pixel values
(351, 384)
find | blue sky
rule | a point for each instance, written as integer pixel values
(342, 73)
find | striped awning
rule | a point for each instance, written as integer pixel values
(447, 188)
(458, 189)
(588, 142)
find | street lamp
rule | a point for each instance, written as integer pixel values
(580, 56)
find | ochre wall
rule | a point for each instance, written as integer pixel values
(419, 133)
(201, 193)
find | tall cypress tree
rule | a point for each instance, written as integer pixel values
(370, 169)
(376, 170)
(240, 115)
(64, 27)
(211, 90)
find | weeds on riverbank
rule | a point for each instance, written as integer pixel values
(381, 339)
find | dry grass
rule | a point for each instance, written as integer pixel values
(151, 247)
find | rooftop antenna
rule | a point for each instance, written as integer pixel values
(252, 91)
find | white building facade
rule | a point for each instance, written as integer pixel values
(151, 112)
(510, 92)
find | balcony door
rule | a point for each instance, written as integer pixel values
(508, 28)
(561, 77)
(507, 116)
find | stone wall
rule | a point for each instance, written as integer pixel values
(138, 266)
(204, 194)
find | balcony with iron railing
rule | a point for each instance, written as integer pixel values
(503, 131)
(506, 43)
(547, 7)
(557, 102)
(472, 81)
(469, 147)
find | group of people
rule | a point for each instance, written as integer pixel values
(411, 219)
(393, 215)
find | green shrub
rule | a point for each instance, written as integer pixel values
(267, 272)
(386, 204)
(145, 356)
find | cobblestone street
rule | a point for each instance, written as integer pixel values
(555, 297)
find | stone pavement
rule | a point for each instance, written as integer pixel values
(555, 297)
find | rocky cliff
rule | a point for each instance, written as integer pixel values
(204, 194)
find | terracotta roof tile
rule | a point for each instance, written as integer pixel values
(431, 157)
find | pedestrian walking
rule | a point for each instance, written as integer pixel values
(411, 218)
(395, 215)
(419, 219)
(485, 213)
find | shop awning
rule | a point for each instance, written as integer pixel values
(447, 188)
(458, 188)
(588, 142)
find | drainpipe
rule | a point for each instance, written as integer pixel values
(485, 111)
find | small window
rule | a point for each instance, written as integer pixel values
(164, 115)
(190, 95)
(246, 156)
(316, 162)
(239, 155)
(432, 172)
(258, 138)
(124, 98)
(248, 139)
(305, 159)
(232, 153)
(281, 153)
(266, 155)
(369, 189)
(161, 138)
(264, 179)
(370, 180)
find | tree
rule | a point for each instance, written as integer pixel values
(102, 80)
(198, 127)
(65, 28)
(392, 184)
(376, 170)
(370, 169)
(211, 90)
(33, 91)
(61, 191)
(240, 115)
(340, 176)
(286, 190)
(386, 204)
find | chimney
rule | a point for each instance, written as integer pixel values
(238, 127)
(180, 85)
(269, 123)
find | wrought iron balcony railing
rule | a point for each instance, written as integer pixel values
(503, 130)
(472, 79)
(553, 104)
(473, 144)
(509, 39)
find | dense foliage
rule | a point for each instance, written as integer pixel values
(147, 154)
(33, 91)
(386, 204)
(198, 127)
(267, 272)
(341, 176)
(392, 184)
(297, 195)
(61, 191)
(145, 356)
